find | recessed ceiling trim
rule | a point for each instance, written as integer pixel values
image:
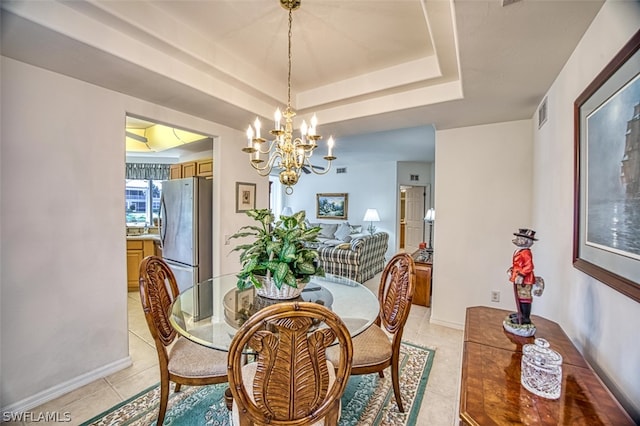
(410, 99)
(410, 72)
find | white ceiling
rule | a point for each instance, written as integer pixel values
(363, 66)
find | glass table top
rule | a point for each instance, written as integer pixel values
(211, 312)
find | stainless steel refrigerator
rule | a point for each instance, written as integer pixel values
(186, 235)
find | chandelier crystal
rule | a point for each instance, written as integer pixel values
(290, 154)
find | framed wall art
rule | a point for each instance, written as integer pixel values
(607, 174)
(245, 196)
(332, 206)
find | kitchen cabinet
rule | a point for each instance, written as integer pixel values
(175, 171)
(203, 168)
(189, 169)
(137, 249)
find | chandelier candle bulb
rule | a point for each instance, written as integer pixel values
(330, 145)
(257, 126)
(249, 147)
(314, 123)
(278, 117)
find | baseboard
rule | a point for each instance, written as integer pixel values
(449, 324)
(66, 387)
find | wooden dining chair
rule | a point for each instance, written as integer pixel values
(290, 382)
(180, 360)
(378, 347)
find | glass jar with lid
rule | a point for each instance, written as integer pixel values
(541, 369)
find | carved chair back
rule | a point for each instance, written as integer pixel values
(158, 289)
(290, 382)
(395, 294)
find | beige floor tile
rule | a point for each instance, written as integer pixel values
(143, 358)
(437, 410)
(100, 385)
(135, 384)
(444, 377)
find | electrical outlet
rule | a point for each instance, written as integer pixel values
(495, 296)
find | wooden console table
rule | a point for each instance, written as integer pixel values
(491, 393)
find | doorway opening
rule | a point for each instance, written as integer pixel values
(414, 201)
(155, 153)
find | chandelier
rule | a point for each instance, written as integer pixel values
(288, 153)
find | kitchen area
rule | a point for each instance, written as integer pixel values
(168, 202)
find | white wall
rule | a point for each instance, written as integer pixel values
(599, 320)
(63, 263)
(483, 195)
(368, 186)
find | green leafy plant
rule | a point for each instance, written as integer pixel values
(280, 250)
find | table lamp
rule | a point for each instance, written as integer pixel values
(430, 217)
(371, 215)
(287, 211)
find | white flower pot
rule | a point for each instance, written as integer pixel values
(271, 291)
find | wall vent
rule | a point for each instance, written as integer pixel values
(414, 178)
(542, 113)
(341, 170)
(508, 2)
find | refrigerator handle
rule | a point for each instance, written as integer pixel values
(163, 217)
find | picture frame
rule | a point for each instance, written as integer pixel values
(607, 176)
(243, 303)
(245, 196)
(332, 206)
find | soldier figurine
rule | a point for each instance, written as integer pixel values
(524, 284)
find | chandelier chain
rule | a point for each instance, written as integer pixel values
(289, 56)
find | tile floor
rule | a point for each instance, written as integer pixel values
(439, 405)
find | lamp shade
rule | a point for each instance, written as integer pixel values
(431, 215)
(287, 211)
(371, 215)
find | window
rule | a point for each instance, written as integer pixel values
(142, 201)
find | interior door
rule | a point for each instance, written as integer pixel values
(414, 217)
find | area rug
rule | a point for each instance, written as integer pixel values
(367, 400)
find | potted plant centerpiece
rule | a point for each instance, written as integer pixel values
(279, 262)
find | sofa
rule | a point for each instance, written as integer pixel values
(359, 259)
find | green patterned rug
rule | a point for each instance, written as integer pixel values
(367, 400)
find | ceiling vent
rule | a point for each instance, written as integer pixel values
(341, 170)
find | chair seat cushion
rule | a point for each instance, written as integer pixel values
(249, 372)
(370, 347)
(189, 359)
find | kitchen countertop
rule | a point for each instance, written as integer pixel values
(154, 237)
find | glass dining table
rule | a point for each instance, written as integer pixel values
(211, 312)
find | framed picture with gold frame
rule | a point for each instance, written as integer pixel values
(332, 206)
